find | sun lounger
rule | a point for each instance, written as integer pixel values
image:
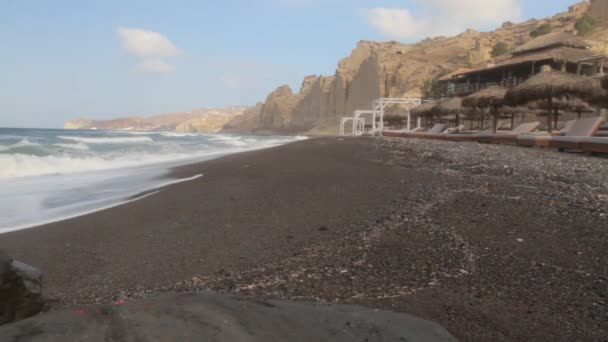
(507, 137)
(401, 134)
(542, 139)
(595, 144)
(437, 129)
(583, 129)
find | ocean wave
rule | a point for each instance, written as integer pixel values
(178, 135)
(21, 143)
(77, 146)
(47, 160)
(113, 140)
(22, 165)
(137, 132)
(229, 140)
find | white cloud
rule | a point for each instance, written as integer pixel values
(150, 48)
(156, 66)
(143, 43)
(442, 17)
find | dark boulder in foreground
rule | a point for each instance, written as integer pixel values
(213, 317)
(20, 290)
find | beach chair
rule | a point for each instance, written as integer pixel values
(402, 133)
(582, 130)
(437, 129)
(506, 137)
(543, 139)
(443, 135)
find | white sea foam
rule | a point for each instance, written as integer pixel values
(178, 135)
(76, 146)
(137, 132)
(146, 192)
(229, 140)
(112, 140)
(22, 165)
(21, 143)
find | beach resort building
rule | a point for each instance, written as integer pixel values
(561, 51)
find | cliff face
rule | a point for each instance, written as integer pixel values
(392, 69)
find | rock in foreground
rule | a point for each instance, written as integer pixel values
(212, 317)
(20, 290)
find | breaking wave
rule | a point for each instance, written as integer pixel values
(112, 140)
(76, 146)
(23, 165)
(178, 135)
(20, 144)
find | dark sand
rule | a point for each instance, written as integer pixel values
(492, 242)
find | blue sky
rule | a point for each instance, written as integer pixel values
(66, 59)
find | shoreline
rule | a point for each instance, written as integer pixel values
(491, 242)
(158, 175)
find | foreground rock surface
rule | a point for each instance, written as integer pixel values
(20, 290)
(212, 317)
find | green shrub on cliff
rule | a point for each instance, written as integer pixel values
(585, 25)
(501, 48)
(541, 30)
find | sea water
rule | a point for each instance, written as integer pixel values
(48, 175)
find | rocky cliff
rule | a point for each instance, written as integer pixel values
(199, 120)
(392, 69)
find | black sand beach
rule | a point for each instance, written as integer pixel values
(492, 242)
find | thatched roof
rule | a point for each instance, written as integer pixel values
(558, 54)
(395, 117)
(573, 105)
(455, 73)
(552, 40)
(489, 97)
(553, 84)
(449, 106)
(424, 109)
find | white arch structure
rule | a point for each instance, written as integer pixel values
(381, 104)
(377, 114)
(358, 126)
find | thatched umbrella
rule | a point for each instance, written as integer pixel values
(395, 117)
(549, 85)
(424, 110)
(451, 106)
(491, 98)
(508, 112)
(574, 105)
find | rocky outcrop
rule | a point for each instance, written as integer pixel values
(248, 122)
(212, 317)
(20, 290)
(209, 123)
(78, 124)
(198, 120)
(392, 69)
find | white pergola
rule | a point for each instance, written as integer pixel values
(377, 115)
(358, 115)
(381, 104)
(357, 123)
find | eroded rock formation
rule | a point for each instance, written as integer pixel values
(392, 69)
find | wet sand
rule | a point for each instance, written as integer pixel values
(492, 242)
